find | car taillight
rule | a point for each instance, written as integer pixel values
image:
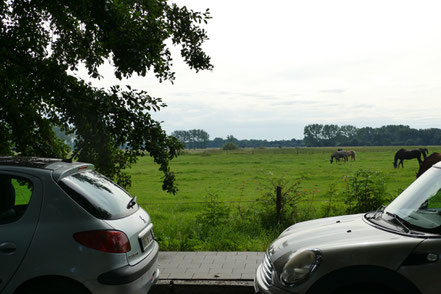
(104, 240)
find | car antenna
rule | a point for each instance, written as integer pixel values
(69, 160)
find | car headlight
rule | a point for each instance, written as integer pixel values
(299, 266)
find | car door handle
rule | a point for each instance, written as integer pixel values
(7, 248)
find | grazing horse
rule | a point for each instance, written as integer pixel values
(428, 162)
(338, 155)
(351, 153)
(403, 154)
(424, 151)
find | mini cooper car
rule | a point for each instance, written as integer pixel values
(395, 249)
(65, 228)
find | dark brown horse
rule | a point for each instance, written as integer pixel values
(428, 162)
(403, 154)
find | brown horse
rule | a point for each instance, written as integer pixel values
(403, 154)
(428, 162)
(350, 153)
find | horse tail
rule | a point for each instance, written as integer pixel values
(424, 166)
(419, 159)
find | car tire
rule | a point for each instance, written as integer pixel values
(53, 286)
(364, 289)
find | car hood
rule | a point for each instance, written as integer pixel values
(350, 234)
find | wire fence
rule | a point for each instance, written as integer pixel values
(278, 205)
(231, 202)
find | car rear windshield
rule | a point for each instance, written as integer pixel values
(98, 195)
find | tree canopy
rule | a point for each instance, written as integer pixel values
(42, 43)
(195, 138)
(347, 135)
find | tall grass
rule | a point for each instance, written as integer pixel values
(238, 178)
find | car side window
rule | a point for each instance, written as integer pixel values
(15, 195)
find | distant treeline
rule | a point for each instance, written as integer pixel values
(198, 138)
(317, 135)
(253, 143)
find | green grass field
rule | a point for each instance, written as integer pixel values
(240, 176)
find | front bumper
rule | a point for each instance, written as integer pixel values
(258, 283)
(261, 287)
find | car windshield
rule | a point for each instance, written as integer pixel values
(420, 204)
(98, 195)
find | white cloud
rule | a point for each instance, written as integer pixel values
(284, 64)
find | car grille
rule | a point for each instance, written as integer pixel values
(267, 271)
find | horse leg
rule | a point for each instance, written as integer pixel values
(401, 162)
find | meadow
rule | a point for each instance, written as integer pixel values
(232, 181)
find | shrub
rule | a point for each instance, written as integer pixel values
(365, 191)
(331, 206)
(291, 195)
(230, 146)
(214, 213)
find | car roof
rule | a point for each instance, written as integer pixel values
(60, 167)
(24, 161)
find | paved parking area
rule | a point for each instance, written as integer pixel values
(236, 266)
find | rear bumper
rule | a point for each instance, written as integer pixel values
(128, 273)
(136, 279)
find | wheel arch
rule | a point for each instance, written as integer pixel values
(52, 284)
(363, 275)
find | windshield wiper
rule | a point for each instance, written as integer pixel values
(399, 220)
(131, 203)
(379, 210)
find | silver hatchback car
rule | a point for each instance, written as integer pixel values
(65, 228)
(395, 249)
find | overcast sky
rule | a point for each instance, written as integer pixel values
(281, 65)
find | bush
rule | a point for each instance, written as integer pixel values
(291, 194)
(365, 191)
(331, 207)
(214, 213)
(230, 146)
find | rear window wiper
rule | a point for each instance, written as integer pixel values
(132, 202)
